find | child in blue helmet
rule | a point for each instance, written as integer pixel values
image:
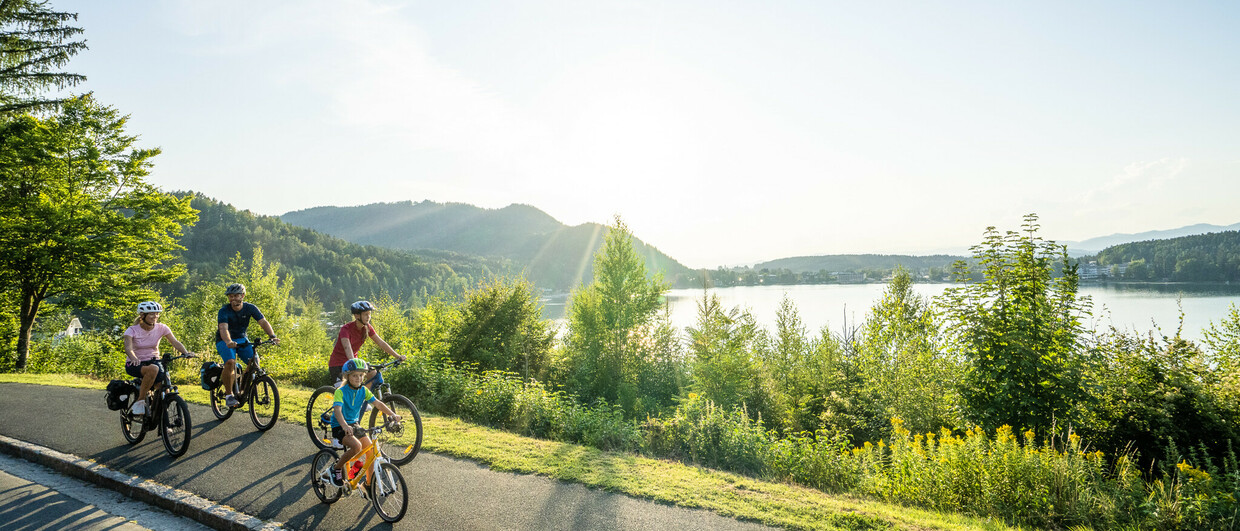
(347, 412)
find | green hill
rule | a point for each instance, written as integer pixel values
(332, 269)
(552, 254)
(1213, 257)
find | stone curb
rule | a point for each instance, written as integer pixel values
(175, 501)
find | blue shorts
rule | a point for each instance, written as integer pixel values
(244, 350)
(136, 370)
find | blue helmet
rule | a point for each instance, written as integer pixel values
(355, 364)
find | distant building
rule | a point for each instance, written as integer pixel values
(849, 277)
(75, 326)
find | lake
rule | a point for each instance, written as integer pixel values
(1126, 306)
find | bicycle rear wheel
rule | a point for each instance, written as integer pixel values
(320, 470)
(132, 428)
(264, 403)
(218, 407)
(317, 425)
(402, 444)
(175, 426)
(388, 493)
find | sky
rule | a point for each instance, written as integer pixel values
(721, 132)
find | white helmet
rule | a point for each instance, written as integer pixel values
(149, 307)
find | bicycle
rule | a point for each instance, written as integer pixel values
(255, 388)
(166, 410)
(401, 452)
(385, 486)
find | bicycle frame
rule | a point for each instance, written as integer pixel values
(370, 466)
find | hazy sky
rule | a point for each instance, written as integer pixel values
(722, 132)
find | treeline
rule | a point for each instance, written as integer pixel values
(831, 269)
(1213, 257)
(326, 268)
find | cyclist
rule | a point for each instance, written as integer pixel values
(352, 335)
(230, 340)
(347, 412)
(141, 342)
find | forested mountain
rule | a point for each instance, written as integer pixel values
(859, 262)
(1210, 257)
(332, 269)
(552, 254)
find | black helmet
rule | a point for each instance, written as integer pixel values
(361, 306)
(235, 288)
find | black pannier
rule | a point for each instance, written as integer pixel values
(120, 393)
(209, 375)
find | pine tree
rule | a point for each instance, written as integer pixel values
(35, 42)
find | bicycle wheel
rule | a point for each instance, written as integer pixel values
(218, 407)
(320, 471)
(264, 403)
(388, 493)
(320, 403)
(132, 428)
(401, 444)
(175, 426)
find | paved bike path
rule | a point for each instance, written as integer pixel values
(266, 474)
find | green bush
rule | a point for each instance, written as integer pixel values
(89, 353)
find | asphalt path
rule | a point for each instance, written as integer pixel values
(266, 475)
(36, 498)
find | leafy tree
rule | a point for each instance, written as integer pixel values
(726, 351)
(77, 221)
(1019, 330)
(501, 328)
(35, 41)
(903, 371)
(610, 323)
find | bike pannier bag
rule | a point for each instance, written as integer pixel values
(210, 375)
(119, 394)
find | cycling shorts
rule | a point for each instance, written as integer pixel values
(244, 350)
(136, 370)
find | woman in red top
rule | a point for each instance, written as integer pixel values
(352, 335)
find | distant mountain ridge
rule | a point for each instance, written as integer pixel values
(554, 255)
(1096, 245)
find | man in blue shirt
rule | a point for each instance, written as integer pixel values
(230, 340)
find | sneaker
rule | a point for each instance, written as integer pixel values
(336, 477)
(139, 408)
(368, 408)
(336, 444)
(231, 401)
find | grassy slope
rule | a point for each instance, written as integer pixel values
(664, 481)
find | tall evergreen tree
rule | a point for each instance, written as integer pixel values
(35, 42)
(609, 322)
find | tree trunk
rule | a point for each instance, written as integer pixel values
(30, 308)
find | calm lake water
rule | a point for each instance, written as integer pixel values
(1126, 306)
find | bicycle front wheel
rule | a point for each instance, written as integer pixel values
(388, 493)
(401, 444)
(318, 415)
(320, 471)
(264, 403)
(131, 427)
(175, 426)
